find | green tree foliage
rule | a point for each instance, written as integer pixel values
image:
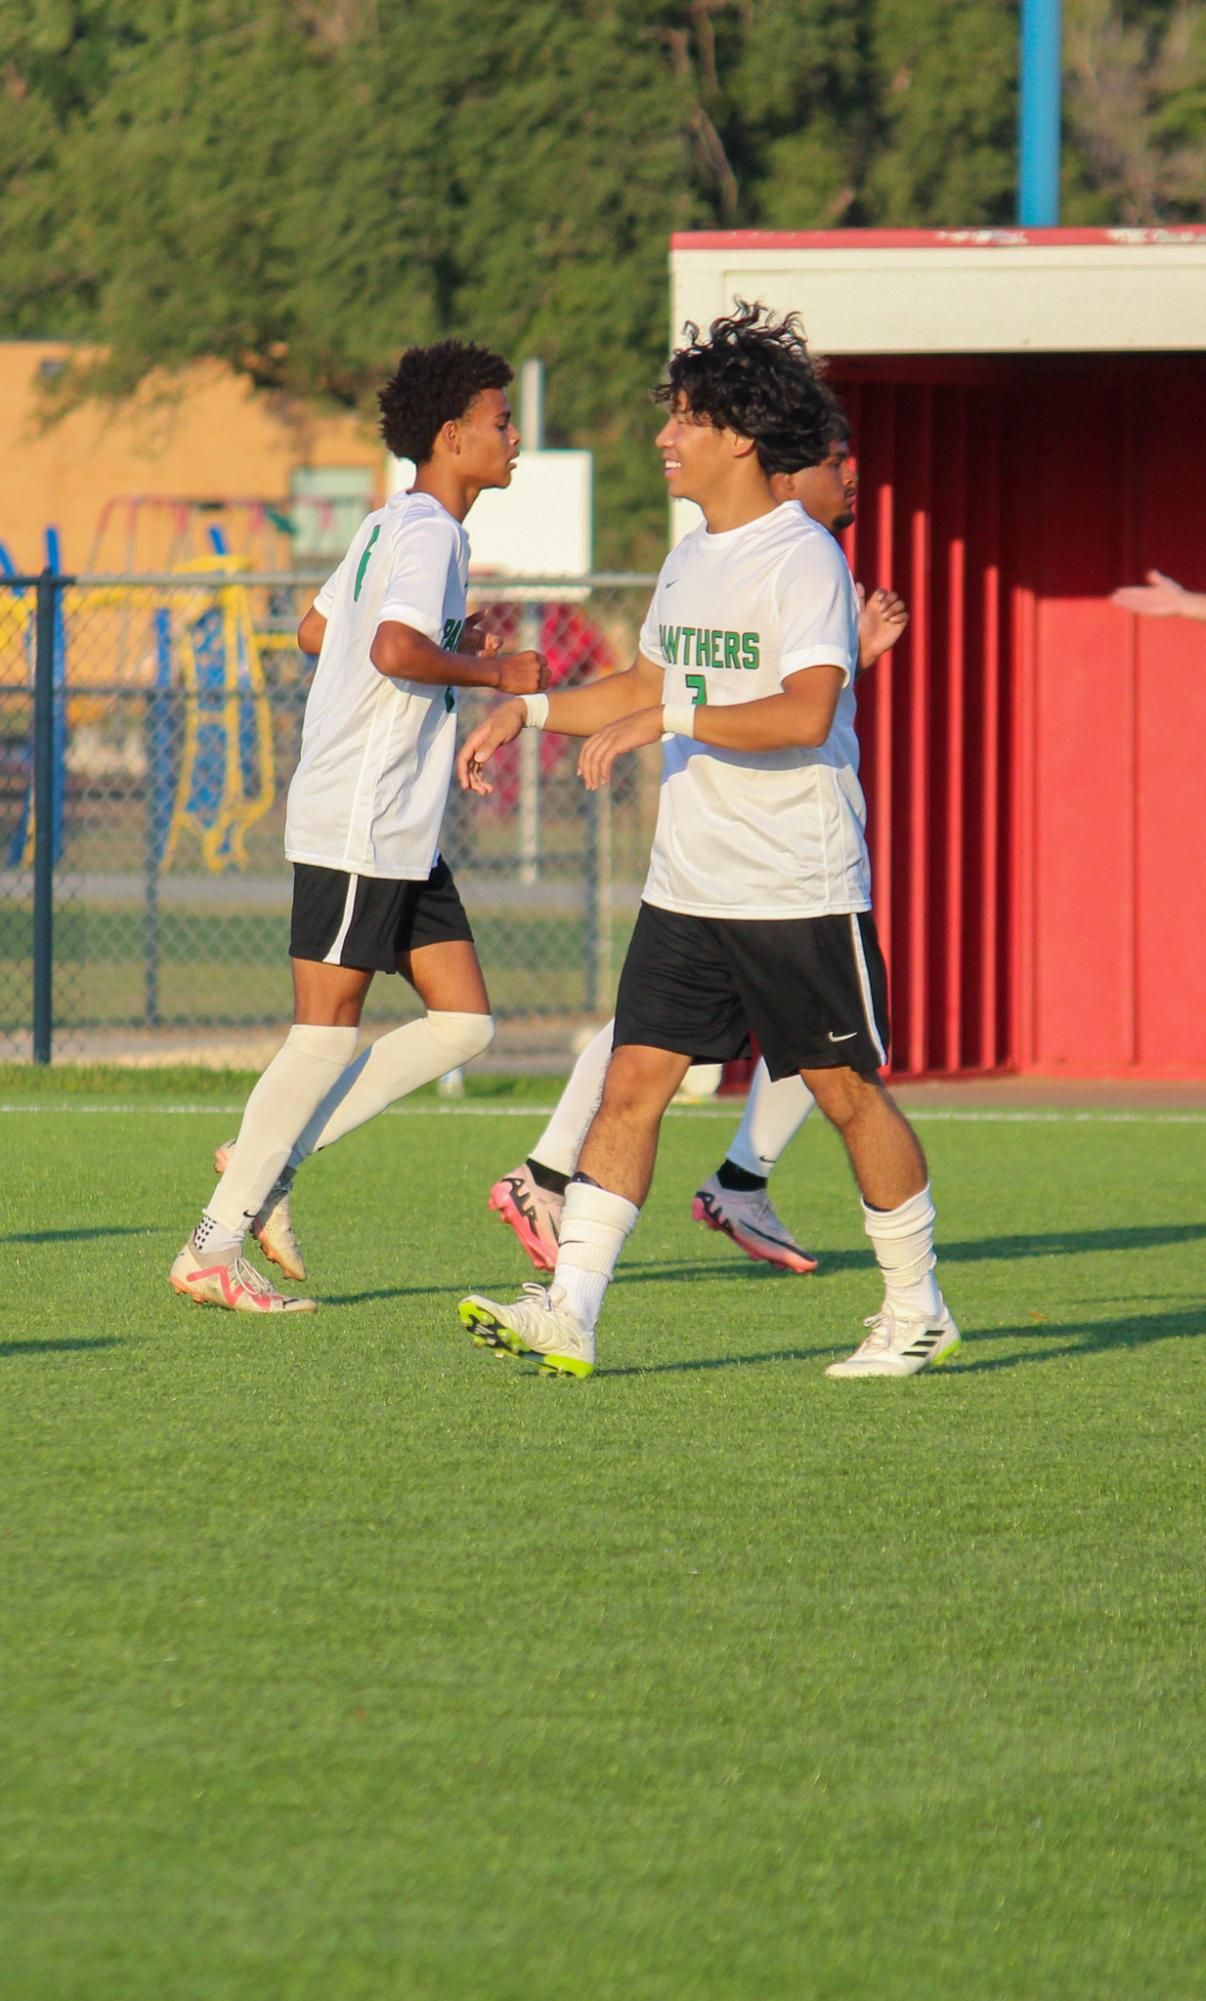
(303, 187)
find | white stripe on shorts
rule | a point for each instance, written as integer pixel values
(865, 987)
(331, 958)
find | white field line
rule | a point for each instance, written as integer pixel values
(983, 1115)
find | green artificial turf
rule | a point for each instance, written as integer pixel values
(345, 1662)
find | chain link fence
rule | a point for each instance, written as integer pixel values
(149, 727)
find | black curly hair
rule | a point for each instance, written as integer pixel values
(433, 386)
(837, 424)
(752, 373)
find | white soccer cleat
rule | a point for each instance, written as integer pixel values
(749, 1219)
(533, 1212)
(539, 1324)
(900, 1344)
(273, 1228)
(237, 1286)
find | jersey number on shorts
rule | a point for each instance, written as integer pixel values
(699, 689)
(364, 563)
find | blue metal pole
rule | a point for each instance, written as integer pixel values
(44, 817)
(1039, 116)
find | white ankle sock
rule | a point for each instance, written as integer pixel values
(903, 1242)
(773, 1116)
(298, 1078)
(594, 1225)
(214, 1242)
(561, 1141)
(398, 1063)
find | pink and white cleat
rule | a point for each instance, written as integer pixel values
(533, 1212)
(238, 1286)
(273, 1228)
(748, 1218)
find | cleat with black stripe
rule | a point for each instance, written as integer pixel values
(533, 1212)
(901, 1344)
(749, 1219)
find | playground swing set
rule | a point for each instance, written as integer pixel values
(211, 770)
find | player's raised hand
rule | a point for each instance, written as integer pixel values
(522, 673)
(1159, 597)
(600, 751)
(882, 618)
(503, 726)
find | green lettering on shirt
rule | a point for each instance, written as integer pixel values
(364, 563)
(704, 646)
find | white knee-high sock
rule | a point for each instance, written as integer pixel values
(398, 1063)
(594, 1225)
(903, 1242)
(298, 1078)
(774, 1113)
(561, 1141)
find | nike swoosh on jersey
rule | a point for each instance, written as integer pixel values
(843, 1038)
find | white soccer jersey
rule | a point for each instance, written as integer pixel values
(757, 833)
(377, 753)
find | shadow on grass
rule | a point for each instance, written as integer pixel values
(648, 1271)
(1093, 1337)
(68, 1345)
(722, 1362)
(76, 1236)
(971, 1250)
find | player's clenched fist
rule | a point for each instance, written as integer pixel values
(522, 673)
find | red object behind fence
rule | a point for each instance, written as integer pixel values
(1033, 757)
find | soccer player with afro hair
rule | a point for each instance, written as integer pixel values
(371, 892)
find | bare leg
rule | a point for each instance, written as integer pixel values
(619, 1150)
(885, 1153)
(898, 1214)
(328, 996)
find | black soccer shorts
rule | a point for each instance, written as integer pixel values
(366, 921)
(814, 990)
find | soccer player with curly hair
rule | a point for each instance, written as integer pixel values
(734, 1200)
(756, 909)
(371, 893)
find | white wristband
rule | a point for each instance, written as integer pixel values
(679, 718)
(535, 711)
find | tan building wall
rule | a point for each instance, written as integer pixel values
(203, 436)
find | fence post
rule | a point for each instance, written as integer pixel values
(158, 746)
(590, 941)
(44, 816)
(603, 999)
(529, 766)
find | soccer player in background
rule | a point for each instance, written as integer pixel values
(756, 909)
(530, 1197)
(371, 892)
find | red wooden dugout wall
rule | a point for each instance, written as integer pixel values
(1034, 759)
